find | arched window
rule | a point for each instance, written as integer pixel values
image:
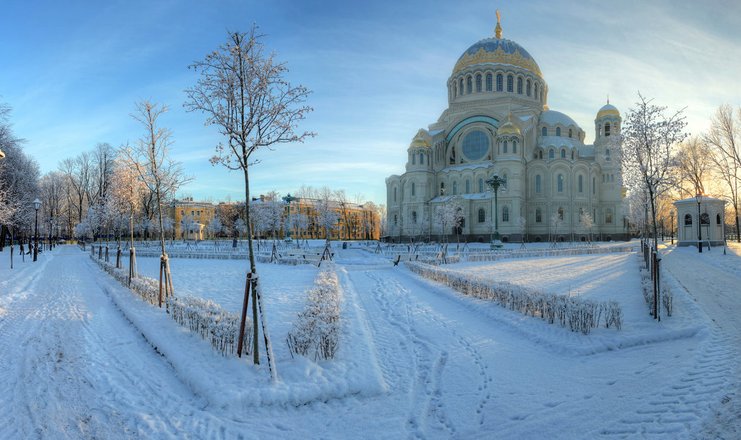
(540, 154)
(688, 220)
(519, 85)
(514, 146)
(460, 87)
(482, 215)
(560, 213)
(544, 131)
(396, 219)
(414, 217)
(500, 82)
(468, 186)
(563, 154)
(559, 182)
(573, 154)
(421, 159)
(607, 128)
(413, 188)
(551, 154)
(505, 213)
(527, 88)
(455, 188)
(414, 159)
(481, 185)
(581, 183)
(607, 154)
(704, 218)
(538, 184)
(538, 215)
(608, 216)
(570, 133)
(536, 90)
(394, 194)
(558, 131)
(488, 82)
(717, 219)
(442, 188)
(510, 83)
(469, 84)
(504, 147)
(478, 82)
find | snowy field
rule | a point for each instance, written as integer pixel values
(417, 360)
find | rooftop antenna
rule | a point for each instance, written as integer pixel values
(498, 29)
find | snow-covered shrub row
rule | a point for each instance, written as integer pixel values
(289, 261)
(527, 253)
(316, 332)
(146, 288)
(206, 318)
(572, 313)
(211, 321)
(667, 299)
(197, 255)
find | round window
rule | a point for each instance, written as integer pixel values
(475, 145)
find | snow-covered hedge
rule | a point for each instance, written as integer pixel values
(572, 313)
(211, 321)
(206, 318)
(316, 332)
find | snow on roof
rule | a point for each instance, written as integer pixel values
(558, 141)
(705, 199)
(465, 166)
(552, 117)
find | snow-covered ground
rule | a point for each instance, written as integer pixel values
(416, 359)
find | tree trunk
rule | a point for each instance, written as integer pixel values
(253, 268)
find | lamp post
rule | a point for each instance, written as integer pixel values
(698, 197)
(494, 183)
(672, 225)
(288, 199)
(36, 206)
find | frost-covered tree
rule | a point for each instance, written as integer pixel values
(214, 227)
(326, 216)
(240, 227)
(556, 224)
(187, 227)
(693, 166)
(649, 141)
(447, 216)
(587, 223)
(126, 195)
(150, 158)
(724, 140)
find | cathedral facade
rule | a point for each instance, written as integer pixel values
(555, 187)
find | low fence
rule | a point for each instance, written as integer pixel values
(572, 313)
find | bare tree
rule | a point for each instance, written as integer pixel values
(150, 158)
(693, 165)
(126, 189)
(649, 141)
(724, 140)
(244, 93)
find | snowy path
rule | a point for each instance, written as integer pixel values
(718, 293)
(74, 367)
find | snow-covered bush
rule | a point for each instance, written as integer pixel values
(316, 332)
(667, 299)
(206, 318)
(572, 313)
(211, 321)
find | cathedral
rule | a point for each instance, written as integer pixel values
(549, 184)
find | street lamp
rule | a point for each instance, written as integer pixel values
(36, 206)
(698, 197)
(494, 183)
(673, 215)
(288, 199)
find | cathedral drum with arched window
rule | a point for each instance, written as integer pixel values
(498, 123)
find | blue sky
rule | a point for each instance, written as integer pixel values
(72, 71)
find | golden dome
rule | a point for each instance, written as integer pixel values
(608, 110)
(421, 140)
(509, 128)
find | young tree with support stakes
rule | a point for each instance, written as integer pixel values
(649, 141)
(161, 175)
(243, 91)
